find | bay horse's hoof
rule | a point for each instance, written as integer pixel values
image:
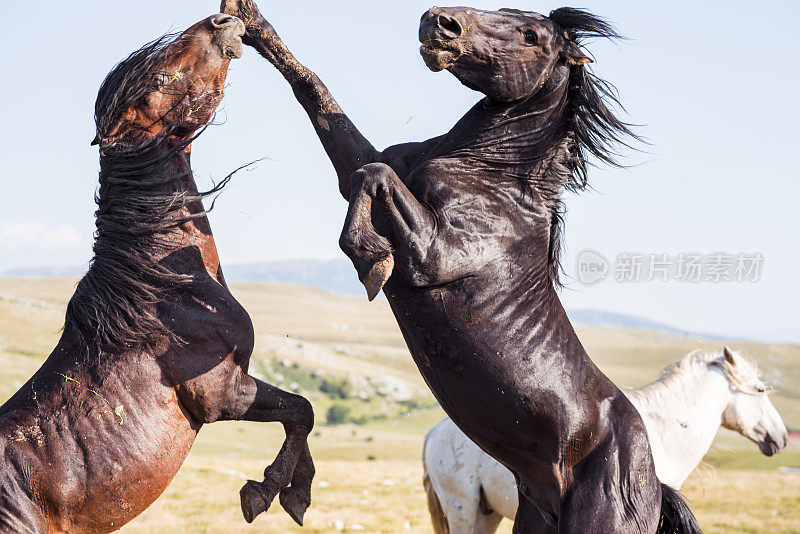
(295, 502)
(377, 276)
(253, 500)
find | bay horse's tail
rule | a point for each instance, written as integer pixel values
(438, 517)
(676, 517)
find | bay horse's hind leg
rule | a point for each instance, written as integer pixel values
(258, 401)
(296, 498)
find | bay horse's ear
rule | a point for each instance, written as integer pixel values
(573, 53)
(728, 356)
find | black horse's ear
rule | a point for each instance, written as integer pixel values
(574, 54)
(96, 140)
(728, 356)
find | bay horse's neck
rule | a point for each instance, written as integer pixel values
(197, 230)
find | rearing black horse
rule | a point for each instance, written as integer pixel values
(463, 230)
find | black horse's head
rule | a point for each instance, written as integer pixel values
(507, 54)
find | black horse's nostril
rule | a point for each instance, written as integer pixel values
(450, 26)
(221, 19)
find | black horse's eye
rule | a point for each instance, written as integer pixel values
(530, 37)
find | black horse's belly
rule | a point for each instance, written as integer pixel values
(494, 379)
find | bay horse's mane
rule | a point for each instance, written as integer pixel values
(140, 200)
(590, 127)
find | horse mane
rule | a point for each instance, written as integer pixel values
(128, 83)
(139, 201)
(671, 381)
(591, 126)
(739, 374)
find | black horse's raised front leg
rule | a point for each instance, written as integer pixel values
(346, 147)
(292, 471)
(387, 227)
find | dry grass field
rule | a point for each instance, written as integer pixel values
(369, 474)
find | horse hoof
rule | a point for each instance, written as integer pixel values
(377, 276)
(295, 502)
(229, 7)
(252, 500)
(247, 11)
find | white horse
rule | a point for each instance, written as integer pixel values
(469, 492)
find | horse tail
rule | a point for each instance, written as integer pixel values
(676, 517)
(438, 517)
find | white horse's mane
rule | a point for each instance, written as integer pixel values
(738, 374)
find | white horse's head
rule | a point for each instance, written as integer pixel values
(749, 410)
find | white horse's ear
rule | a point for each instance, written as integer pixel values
(728, 356)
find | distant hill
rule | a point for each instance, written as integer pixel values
(606, 318)
(338, 276)
(53, 271)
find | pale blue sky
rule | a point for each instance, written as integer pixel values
(713, 83)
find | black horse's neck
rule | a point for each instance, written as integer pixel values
(515, 138)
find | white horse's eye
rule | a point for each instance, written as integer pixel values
(763, 388)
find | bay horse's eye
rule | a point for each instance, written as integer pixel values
(530, 37)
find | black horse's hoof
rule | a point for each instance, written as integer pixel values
(377, 276)
(253, 500)
(248, 13)
(295, 502)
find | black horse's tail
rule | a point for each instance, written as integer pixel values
(676, 518)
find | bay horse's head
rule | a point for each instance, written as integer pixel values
(506, 54)
(170, 86)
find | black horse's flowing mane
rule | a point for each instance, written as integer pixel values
(590, 127)
(590, 115)
(553, 155)
(140, 200)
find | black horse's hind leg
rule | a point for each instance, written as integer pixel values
(261, 402)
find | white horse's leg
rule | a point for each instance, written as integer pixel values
(451, 462)
(499, 487)
(487, 524)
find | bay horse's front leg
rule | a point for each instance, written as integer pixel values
(254, 400)
(346, 147)
(387, 227)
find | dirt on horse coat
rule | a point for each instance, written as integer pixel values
(154, 344)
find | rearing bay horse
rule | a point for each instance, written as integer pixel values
(463, 230)
(154, 345)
